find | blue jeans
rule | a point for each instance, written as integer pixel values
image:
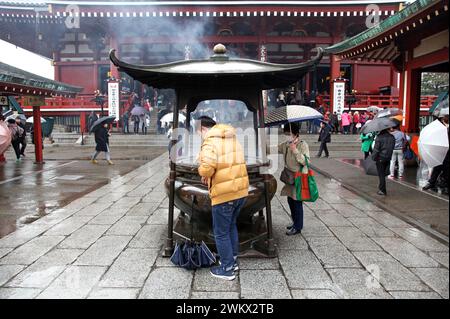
(225, 231)
(296, 207)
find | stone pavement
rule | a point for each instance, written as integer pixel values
(424, 209)
(108, 244)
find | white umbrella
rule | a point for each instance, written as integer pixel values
(168, 118)
(292, 113)
(31, 120)
(433, 143)
(5, 137)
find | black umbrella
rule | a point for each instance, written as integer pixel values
(101, 121)
(370, 167)
(379, 124)
(191, 255)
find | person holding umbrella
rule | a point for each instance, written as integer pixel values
(23, 138)
(16, 134)
(324, 138)
(382, 154)
(442, 168)
(102, 134)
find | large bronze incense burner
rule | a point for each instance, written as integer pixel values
(205, 82)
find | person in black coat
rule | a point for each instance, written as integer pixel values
(324, 138)
(382, 154)
(102, 140)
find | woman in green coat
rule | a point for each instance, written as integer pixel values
(366, 146)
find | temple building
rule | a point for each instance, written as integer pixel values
(78, 36)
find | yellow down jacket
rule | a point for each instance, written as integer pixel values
(221, 160)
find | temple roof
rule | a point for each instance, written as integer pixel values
(20, 82)
(218, 70)
(380, 39)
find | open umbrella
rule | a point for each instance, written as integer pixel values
(139, 110)
(373, 109)
(433, 143)
(389, 112)
(292, 113)
(442, 108)
(370, 167)
(379, 124)
(31, 120)
(5, 137)
(168, 118)
(101, 121)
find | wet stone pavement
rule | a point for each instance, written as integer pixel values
(108, 244)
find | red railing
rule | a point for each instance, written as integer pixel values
(364, 101)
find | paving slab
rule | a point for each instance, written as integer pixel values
(84, 237)
(167, 283)
(18, 293)
(259, 263)
(348, 210)
(390, 273)
(74, 283)
(150, 236)
(114, 293)
(4, 251)
(414, 295)
(440, 257)
(313, 294)
(420, 240)
(407, 254)
(103, 251)
(312, 274)
(28, 253)
(93, 209)
(9, 271)
(214, 295)
(68, 226)
(263, 284)
(354, 239)
(371, 227)
(436, 278)
(204, 281)
(332, 219)
(357, 284)
(142, 209)
(332, 253)
(127, 225)
(45, 269)
(130, 269)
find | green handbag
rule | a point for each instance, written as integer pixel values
(306, 186)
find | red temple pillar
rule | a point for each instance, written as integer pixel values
(335, 72)
(83, 122)
(410, 99)
(37, 135)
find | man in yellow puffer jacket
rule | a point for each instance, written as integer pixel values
(222, 167)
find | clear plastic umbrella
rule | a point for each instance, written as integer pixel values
(31, 120)
(433, 143)
(168, 118)
(389, 112)
(378, 124)
(292, 113)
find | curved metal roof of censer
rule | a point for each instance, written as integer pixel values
(220, 70)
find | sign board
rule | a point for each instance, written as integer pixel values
(4, 100)
(33, 100)
(338, 97)
(113, 99)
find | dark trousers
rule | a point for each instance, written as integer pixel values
(366, 155)
(23, 145)
(126, 128)
(323, 147)
(16, 147)
(136, 127)
(382, 165)
(296, 208)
